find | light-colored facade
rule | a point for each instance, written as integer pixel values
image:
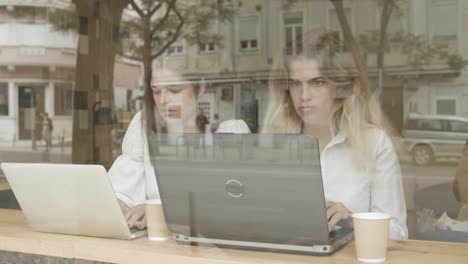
(265, 33)
(37, 72)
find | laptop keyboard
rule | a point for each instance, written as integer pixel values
(338, 234)
(134, 230)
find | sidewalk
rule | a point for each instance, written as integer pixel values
(27, 147)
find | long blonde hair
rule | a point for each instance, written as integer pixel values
(355, 110)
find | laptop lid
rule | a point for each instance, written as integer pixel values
(263, 188)
(67, 199)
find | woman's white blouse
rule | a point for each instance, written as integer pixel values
(380, 190)
(132, 175)
(376, 190)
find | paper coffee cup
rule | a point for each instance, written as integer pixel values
(371, 235)
(155, 221)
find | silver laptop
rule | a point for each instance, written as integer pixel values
(68, 199)
(250, 191)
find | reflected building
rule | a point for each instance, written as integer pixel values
(264, 33)
(37, 72)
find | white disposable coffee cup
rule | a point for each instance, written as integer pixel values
(155, 221)
(371, 235)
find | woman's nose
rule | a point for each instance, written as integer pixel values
(164, 97)
(306, 92)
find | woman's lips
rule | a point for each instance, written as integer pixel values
(306, 108)
(173, 112)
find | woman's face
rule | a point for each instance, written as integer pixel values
(311, 93)
(174, 97)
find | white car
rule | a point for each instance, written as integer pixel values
(428, 137)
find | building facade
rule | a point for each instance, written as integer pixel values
(37, 72)
(265, 33)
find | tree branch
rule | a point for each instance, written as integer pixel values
(166, 15)
(137, 9)
(152, 11)
(174, 38)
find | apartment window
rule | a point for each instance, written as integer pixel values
(248, 33)
(396, 22)
(293, 34)
(446, 106)
(3, 99)
(208, 44)
(63, 99)
(444, 20)
(335, 27)
(207, 47)
(177, 48)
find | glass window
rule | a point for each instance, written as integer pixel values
(446, 106)
(177, 48)
(3, 99)
(239, 51)
(293, 34)
(248, 33)
(459, 126)
(430, 124)
(208, 39)
(63, 99)
(444, 19)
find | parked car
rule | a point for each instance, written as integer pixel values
(428, 137)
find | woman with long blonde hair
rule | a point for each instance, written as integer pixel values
(322, 94)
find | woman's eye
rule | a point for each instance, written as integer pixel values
(176, 90)
(156, 92)
(318, 82)
(294, 83)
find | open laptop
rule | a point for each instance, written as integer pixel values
(250, 191)
(68, 199)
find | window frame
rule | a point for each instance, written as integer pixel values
(176, 44)
(7, 105)
(444, 98)
(294, 33)
(431, 25)
(249, 49)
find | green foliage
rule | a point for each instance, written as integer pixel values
(416, 47)
(197, 17)
(64, 19)
(29, 13)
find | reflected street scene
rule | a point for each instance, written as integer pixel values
(240, 112)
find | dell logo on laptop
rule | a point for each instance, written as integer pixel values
(234, 188)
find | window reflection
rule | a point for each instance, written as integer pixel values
(417, 72)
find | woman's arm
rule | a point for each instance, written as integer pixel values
(387, 194)
(127, 172)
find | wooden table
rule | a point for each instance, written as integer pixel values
(16, 236)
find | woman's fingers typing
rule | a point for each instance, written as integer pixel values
(134, 215)
(141, 224)
(336, 212)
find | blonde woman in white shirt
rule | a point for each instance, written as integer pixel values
(321, 95)
(170, 107)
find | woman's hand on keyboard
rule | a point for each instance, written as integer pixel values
(135, 216)
(337, 212)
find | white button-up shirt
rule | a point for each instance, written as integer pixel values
(376, 190)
